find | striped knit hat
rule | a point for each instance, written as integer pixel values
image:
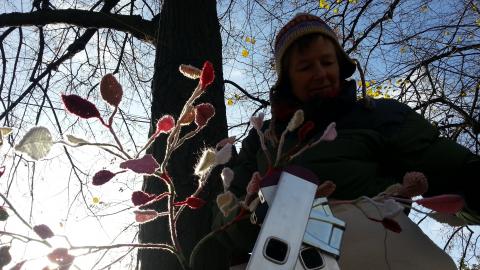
(303, 24)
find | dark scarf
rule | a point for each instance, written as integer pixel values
(321, 111)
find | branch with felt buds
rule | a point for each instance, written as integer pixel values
(38, 142)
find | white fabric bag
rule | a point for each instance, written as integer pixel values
(369, 245)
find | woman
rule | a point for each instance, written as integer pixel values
(377, 143)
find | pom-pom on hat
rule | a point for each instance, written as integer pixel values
(303, 24)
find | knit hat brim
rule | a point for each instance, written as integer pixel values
(304, 24)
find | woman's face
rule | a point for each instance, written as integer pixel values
(314, 72)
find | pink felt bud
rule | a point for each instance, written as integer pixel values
(61, 257)
(222, 143)
(145, 165)
(227, 177)
(144, 216)
(330, 133)
(257, 121)
(80, 107)
(223, 155)
(207, 76)
(203, 113)
(164, 125)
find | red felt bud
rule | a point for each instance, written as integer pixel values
(207, 76)
(192, 202)
(450, 203)
(111, 90)
(165, 125)
(203, 113)
(140, 197)
(43, 231)
(2, 170)
(305, 129)
(80, 107)
(102, 177)
(392, 225)
(389, 224)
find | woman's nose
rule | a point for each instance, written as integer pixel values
(319, 71)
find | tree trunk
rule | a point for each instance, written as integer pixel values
(188, 33)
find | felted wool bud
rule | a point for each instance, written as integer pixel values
(208, 75)
(190, 71)
(188, 116)
(325, 189)
(206, 162)
(165, 125)
(392, 208)
(226, 201)
(227, 177)
(414, 184)
(257, 121)
(203, 113)
(224, 155)
(296, 120)
(254, 185)
(222, 143)
(330, 133)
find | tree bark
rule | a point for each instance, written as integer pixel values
(188, 33)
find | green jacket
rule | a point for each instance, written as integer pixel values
(373, 150)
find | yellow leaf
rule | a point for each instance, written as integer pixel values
(424, 8)
(403, 49)
(387, 96)
(478, 22)
(335, 11)
(96, 200)
(367, 84)
(247, 39)
(352, 1)
(229, 102)
(459, 39)
(339, 1)
(253, 41)
(237, 97)
(379, 87)
(323, 4)
(244, 52)
(463, 94)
